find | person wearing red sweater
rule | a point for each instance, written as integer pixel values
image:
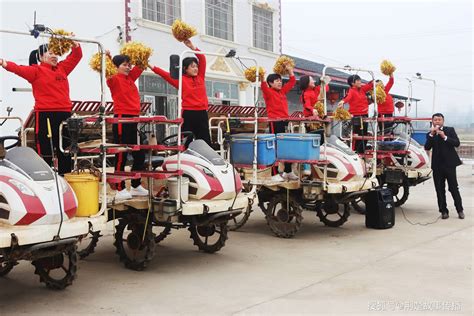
(194, 95)
(126, 104)
(310, 95)
(358, 107)
(51, 92)
(274, 94)
(386, 108)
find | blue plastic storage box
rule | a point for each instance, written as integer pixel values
(419, 136)
(298, 146)
(241, 149)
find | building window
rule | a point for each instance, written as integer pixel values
(262, 28)
(162, 11)
(219, 19)
(220, 91)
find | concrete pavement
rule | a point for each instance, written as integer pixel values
(346, 270)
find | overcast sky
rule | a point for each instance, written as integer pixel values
(430, 37)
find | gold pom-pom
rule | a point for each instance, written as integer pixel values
(250, 74)
(60, 46)
(381, 95)
(96, 65)
(281, 63)
(342, 114)
(387, 68)
(182, 31)
(319, 107)
(139, 54)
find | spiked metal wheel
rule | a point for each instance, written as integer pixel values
(359, 205)
(240, 220)
(400, 193)
(134, 248)
(86, 245)
(164, 232)
(5, 266)
(284, 217)
(331, 213)
(209, 238)
(58, 271)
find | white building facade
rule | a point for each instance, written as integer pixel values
(251, 27)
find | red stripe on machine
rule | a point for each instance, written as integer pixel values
(33, 206)
(70, 206)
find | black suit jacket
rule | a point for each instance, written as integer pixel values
(444, 152)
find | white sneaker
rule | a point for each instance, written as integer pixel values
(122, 195)
(277, 178)
(139, 191)
(290, 176)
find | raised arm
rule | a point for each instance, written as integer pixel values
(289, 85)
(202, 64)
(367, 86)
(319, 92)
(201, 58)
(135, 73)
(389, 84)
(26, 72)
(72, 59)
(165, 75)
(265, 88)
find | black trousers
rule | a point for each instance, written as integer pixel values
(198, 123)
(127, 134)
(360, 128)
(275, 128)
(387, 126)
(43, 145)
(440, 176)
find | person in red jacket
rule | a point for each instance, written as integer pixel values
(274, 94)
(194, 95)
(126, 104)
(358, 107)
(310, 95)
(51, 92)
(386, 108)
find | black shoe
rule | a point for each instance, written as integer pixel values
(461, 214)
(444, 215)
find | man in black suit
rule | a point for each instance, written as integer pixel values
(444, 160)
